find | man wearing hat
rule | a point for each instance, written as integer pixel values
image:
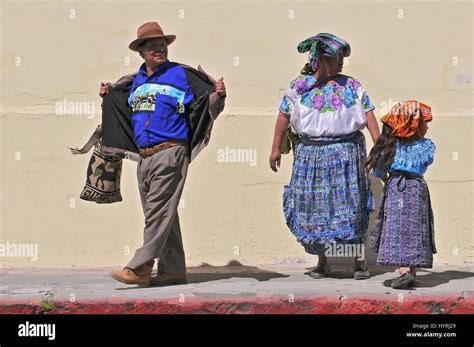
(166, 100)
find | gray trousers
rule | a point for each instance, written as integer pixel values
(161, 180)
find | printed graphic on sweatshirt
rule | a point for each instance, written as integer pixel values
(144, 97)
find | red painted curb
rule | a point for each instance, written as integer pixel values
(259, 305)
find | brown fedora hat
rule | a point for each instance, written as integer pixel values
(150, 30)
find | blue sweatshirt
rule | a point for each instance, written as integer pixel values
(159, 103)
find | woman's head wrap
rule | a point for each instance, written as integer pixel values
(327, 44)
(405, 118)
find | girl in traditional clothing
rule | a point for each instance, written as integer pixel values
(403, 234)
(328, 200)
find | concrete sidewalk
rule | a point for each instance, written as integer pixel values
(237, 289)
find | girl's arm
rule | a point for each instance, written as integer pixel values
(281, 125)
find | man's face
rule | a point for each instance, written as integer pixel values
(155, 51)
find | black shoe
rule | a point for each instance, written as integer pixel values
(320, 272)
(361, 273)
(403, 281)
(414, 283)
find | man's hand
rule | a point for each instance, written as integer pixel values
(104, 89)
(220, 86)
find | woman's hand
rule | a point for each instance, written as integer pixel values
(275, 159)
(104, 89)
(281, 125)
(372, 126)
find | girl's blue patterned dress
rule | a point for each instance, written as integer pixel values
(403, 234)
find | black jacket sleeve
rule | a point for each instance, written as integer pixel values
(117, 129)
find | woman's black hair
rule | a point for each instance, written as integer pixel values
(307, 68)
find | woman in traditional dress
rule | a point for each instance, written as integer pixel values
(328, 200)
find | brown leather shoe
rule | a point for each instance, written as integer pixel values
(129, 276)
(163, 279)
(145, 269)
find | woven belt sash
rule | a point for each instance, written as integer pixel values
(319, 141)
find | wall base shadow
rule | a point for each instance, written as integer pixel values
(208, 273)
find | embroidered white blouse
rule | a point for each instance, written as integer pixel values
(334, 108)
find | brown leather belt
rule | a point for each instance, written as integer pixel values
(146, 152)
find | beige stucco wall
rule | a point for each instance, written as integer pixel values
(59, 51)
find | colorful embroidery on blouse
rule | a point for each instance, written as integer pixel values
(329, 97)
(286, 106)
(414, 157)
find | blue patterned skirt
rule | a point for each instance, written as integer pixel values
(329, 198)
(403, 233)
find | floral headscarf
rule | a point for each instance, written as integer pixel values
(405, 118)
(327, 44)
